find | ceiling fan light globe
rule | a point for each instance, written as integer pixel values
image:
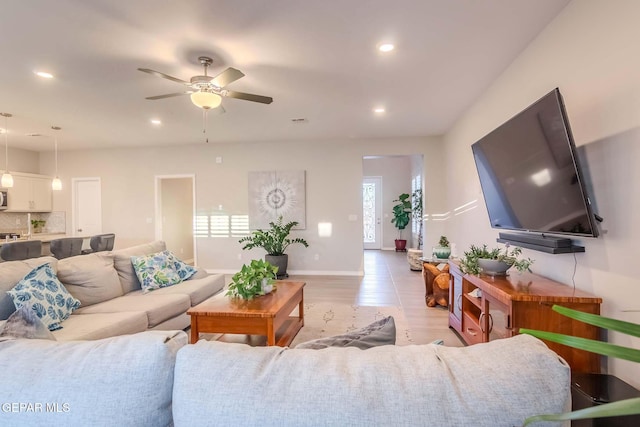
(7, 180)
(56, 184)
(206, 100)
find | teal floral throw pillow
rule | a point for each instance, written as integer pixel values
(155, 271)
(185, 271)
(48, 298)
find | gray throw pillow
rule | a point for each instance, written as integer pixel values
(24, 323)
(381, 332)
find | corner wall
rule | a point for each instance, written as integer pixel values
(590, 52)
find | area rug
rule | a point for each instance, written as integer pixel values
(323, 320)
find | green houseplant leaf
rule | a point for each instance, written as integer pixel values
(620, 408)
(247, 283)
(275, 240)
(402, 213)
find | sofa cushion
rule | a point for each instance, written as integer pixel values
(380, 332)
(102, 325)
(120, 381)
(499, 383)
(41, 290)
(155, 271)
(91, 278)
(11, 272)
(198, 290)
(159, 308)
(122, 263)
(24, 323)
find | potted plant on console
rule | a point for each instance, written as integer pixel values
(253, 280)
(401, 218)
(493, 262)
(275, 241)
(443, 250)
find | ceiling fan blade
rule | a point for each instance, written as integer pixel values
(248, 96)
(169, 95)
(229, 75)
(164, 76)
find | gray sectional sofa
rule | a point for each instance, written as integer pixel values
(156, 379)
(112, 302)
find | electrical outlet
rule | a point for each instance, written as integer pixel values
(316, 257)
(18, 221)
(240, 256)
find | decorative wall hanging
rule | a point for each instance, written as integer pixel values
(276, 193)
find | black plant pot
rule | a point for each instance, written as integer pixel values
(281, 261)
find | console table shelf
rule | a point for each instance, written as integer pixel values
(508, 303)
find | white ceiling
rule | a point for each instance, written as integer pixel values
(317, 59)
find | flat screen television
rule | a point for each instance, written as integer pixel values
(530, 173)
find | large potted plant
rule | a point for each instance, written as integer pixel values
(253, 280)
(493, 262)
(275, 241)
(401, 218)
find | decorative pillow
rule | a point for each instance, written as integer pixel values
(185, 271)
(24, 323)
(381, 332)
(155, 271)
(45, 295)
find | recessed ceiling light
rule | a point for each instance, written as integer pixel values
(44, 74)
(379, 110)
(156, 121)
(386, 47)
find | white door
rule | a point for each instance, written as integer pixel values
(371, 212)
(87, 206)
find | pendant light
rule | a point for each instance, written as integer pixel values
(7, 179)
(56, 184)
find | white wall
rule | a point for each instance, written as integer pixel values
(334, 191)
(590, 52)
(19, 160)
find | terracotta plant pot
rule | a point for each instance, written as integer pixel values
(401, 245)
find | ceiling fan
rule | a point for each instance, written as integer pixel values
(207, 91)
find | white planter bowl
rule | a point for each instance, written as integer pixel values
(493, 267)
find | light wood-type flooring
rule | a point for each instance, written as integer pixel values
(387, 281)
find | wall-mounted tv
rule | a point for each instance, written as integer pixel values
(530, 173)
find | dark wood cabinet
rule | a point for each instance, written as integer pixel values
(484, 308)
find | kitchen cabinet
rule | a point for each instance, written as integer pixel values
(30, 193)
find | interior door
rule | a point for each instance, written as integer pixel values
(371, 212)
(87, 206)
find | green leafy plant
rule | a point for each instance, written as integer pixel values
(469, 263)
(274, 240)
(402, 213)
(38, 223)
(443, 242)
(620, 408)
(247, 283)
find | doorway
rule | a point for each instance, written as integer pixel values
(371, 212)
(86, 200)
(175, 212)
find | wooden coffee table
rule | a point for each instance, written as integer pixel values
(268, 315)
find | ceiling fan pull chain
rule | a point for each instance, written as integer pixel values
(204, 125)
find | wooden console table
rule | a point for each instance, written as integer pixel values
(507, 303)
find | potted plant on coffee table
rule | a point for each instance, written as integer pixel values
(401, 218)
(275, 241)
(253, 280)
